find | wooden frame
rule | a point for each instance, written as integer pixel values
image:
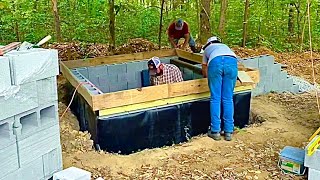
(146, 94)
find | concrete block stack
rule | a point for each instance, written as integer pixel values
(29, 121)
(272, 77)
(313, 163)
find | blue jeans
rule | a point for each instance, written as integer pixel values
(222, 77)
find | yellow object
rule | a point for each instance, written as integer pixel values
(313, 146)
(162, 102)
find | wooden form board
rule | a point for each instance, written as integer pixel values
(163, 102)
(141, 95)
(74, 82)
(118, 58)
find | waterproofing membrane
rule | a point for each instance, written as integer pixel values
(162, 126)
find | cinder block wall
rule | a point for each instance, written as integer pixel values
(114, 77)
(272, 77)
(29, 123)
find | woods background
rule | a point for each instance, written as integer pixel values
(277, 24)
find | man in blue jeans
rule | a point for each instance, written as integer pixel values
(221, 68)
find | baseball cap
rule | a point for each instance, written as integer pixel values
(154, 62)
(179, 24)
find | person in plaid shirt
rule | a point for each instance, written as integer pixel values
(161, 73)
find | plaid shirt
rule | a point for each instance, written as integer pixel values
(171, 74)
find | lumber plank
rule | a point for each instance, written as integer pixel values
(74, 82)
(188, 87)
(244, 78)
(127, 97)
(163, 102)
(186, 65)
(151, 93)
(118, 58)
(254, 75)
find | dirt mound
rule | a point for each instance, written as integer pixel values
(73, 140)
(77, 50)
(135, 46)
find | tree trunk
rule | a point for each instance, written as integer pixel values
(205, 31)
(160, 26)
(198, 16)
(245, 23)
(112, 18)
(223, 14)
(291, 19)
(56, 20)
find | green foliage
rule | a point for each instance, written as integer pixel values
(88, 21)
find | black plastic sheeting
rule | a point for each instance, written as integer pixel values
(163, 126)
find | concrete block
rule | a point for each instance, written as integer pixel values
(47, 90)
(119, 87)
(265, 60)
(93, 76)
(52, 162)
(6, 132)
(287, 84)
(5, 78)
(72, 173)
(33, 170)
(113, 79)
(251, 62)
(9, 160)
(123, 77)
(275, 68)
(117, 69)
(313, 174)
(259, 90)
(94, 90)
(38, 144)
(264, 72)
(26, 123)
(31, 65)
(136, 66)
(105, 89)
(84, 71)
(49, 115)
(19, 99)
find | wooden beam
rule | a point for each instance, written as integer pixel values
(74, 82)
(186, 65)
(127, 97)
(188, 87)
(244, 78)
(197, 58)
(163, 102)
(118, 58)
(151, 93)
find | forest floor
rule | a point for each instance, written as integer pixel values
(287, 120)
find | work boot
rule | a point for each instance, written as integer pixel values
(214, 135)
(228, 136)
(194, 49)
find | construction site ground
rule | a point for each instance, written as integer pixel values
(279, 120)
